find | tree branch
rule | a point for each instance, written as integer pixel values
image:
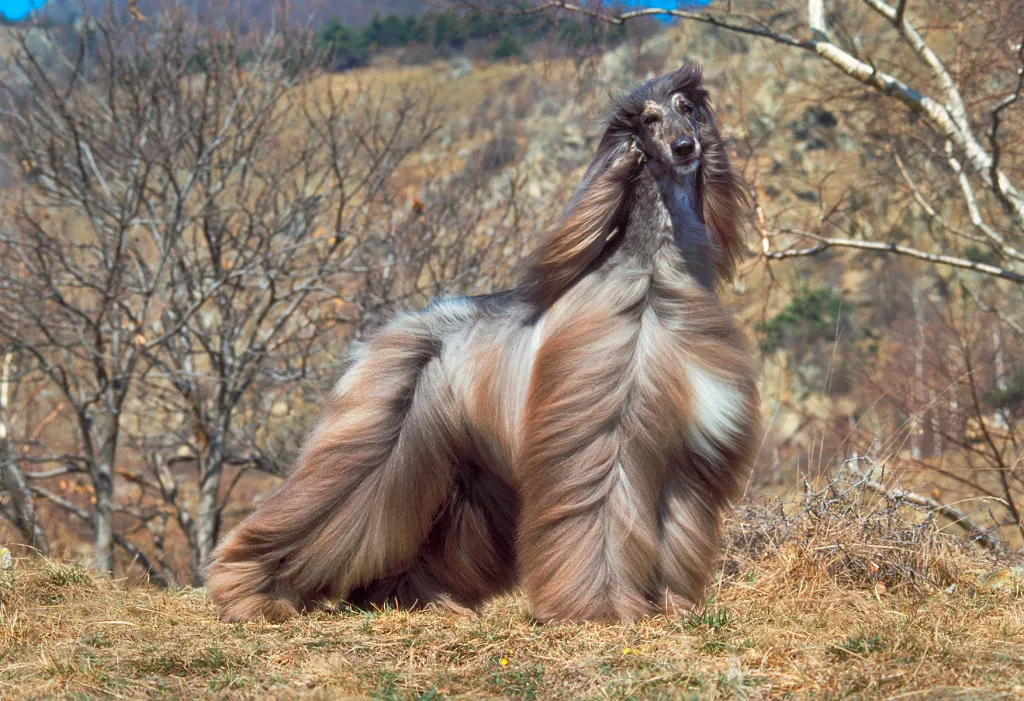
(825, 243)
(993, 132)
(955, 515)
(901, 7)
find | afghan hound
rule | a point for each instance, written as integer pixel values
(580, 434)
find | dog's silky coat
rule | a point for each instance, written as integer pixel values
(580, 434)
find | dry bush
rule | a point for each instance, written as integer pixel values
(849, 535)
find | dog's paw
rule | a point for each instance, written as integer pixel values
(633, 150)
(448, 604)
(675, 605)
(257, 607)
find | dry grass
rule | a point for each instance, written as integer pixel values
(834, 597)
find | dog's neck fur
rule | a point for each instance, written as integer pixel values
(680, 199)
(671, 205)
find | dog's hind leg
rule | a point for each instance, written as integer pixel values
(471, 548)
(366, 489)
(469, 555)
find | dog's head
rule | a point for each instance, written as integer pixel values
(666, 125)
(668, 118)
(671, 122)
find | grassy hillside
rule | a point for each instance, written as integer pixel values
(837, 598)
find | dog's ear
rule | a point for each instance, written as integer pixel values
(692, 70)
(595, 210)
(689, 76)
(726, 206)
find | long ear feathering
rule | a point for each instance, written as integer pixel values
(725, 200)
(594, 212)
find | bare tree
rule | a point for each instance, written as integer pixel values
(77, 290)
(461, 234)
(118, 146)
(273, 236)
(962, 411)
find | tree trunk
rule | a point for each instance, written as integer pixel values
(1000, 369)
(26, 519)
(1000, 361)
(207, 526)
(12, 479)
(103, 486)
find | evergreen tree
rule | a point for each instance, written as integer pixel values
(342, 47)
(507, 47)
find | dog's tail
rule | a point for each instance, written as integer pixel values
(365, 490)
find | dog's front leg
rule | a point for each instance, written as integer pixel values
(589, 478)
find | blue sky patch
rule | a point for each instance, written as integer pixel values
(18, 9)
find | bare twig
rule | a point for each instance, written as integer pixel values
(993, 132)
(899, 494)
(136, 553)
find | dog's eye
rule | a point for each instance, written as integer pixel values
(649, 119)
(682, 106)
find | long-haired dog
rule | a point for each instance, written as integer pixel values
(580, 434)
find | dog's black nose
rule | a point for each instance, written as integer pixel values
(684, 146)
